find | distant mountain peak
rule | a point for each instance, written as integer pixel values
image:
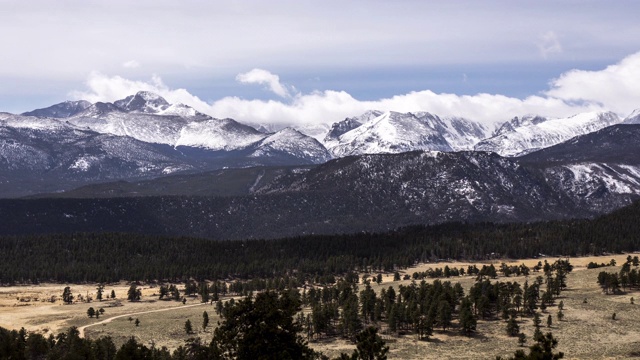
(394, 132)
(98, 109)
(143, 101)
(291, 142)
(61, 110)
(633, 118)
(516, 122)
(150, 96)
(521, 136)
(348, 124)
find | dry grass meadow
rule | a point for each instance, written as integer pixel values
(586, 332)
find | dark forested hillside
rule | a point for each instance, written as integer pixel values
(112, 257)
(373, 193)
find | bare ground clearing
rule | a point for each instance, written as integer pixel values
(587, 332)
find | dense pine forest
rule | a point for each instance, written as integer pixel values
(108, 257)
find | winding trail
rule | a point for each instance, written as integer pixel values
(105, 321)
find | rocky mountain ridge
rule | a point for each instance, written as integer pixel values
(589, 175)
(139, 137)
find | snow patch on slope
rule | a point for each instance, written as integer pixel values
(218, 134)
(626, 181)
(393, 132)
(294, 143)
(528, 136)
(633, 118)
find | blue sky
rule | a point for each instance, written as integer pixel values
(330, 58)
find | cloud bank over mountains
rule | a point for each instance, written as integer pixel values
(614, 88)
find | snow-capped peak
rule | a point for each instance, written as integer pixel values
(143, 101)
(97, 110)
(150, 96)
(217, 134)
(394, 132)
(181, 110)
(348, 124)
(522, 136)
(633, 118)
(61, 110)
(516, 122)
(293, 143)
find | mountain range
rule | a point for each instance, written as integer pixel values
(169, 169)
(590, 175)
(140, 137)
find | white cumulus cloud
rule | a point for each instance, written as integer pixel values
(102, 87)
(614, 88)
(264, 77)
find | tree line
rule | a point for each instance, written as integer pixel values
(627, 278)
(106, 257)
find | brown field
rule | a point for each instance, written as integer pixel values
(587, 331)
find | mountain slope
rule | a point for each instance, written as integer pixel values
(390, 132)
(393, 132)
(600, 170)
(352, 194)
(633, 118)
(521, 136)
(290, 143)
(58, 157)
(61, 110)
(613, 144)
(583, 177)
(216, 134)
(150, 118)
(337, 129)
(133, 139)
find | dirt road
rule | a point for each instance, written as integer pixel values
(82, 328)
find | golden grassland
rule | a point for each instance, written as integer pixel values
(586, 332)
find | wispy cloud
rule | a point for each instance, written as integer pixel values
(264, 77)
(548, 43)
(131, 64)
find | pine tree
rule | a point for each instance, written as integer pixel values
(67, 297)
(468, 321)
(536, 319)
(513, 329)
(444, 314)
(188, 328)
(370, 346)
(134, 293)
(205, 320)
(100, 290)
(263, 328)
(522, 339)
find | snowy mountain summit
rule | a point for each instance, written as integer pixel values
(148, 117)
(140, 136)
(530, 133)
(394, 132)
(143, 101)
(634, 118)
(62, 110)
